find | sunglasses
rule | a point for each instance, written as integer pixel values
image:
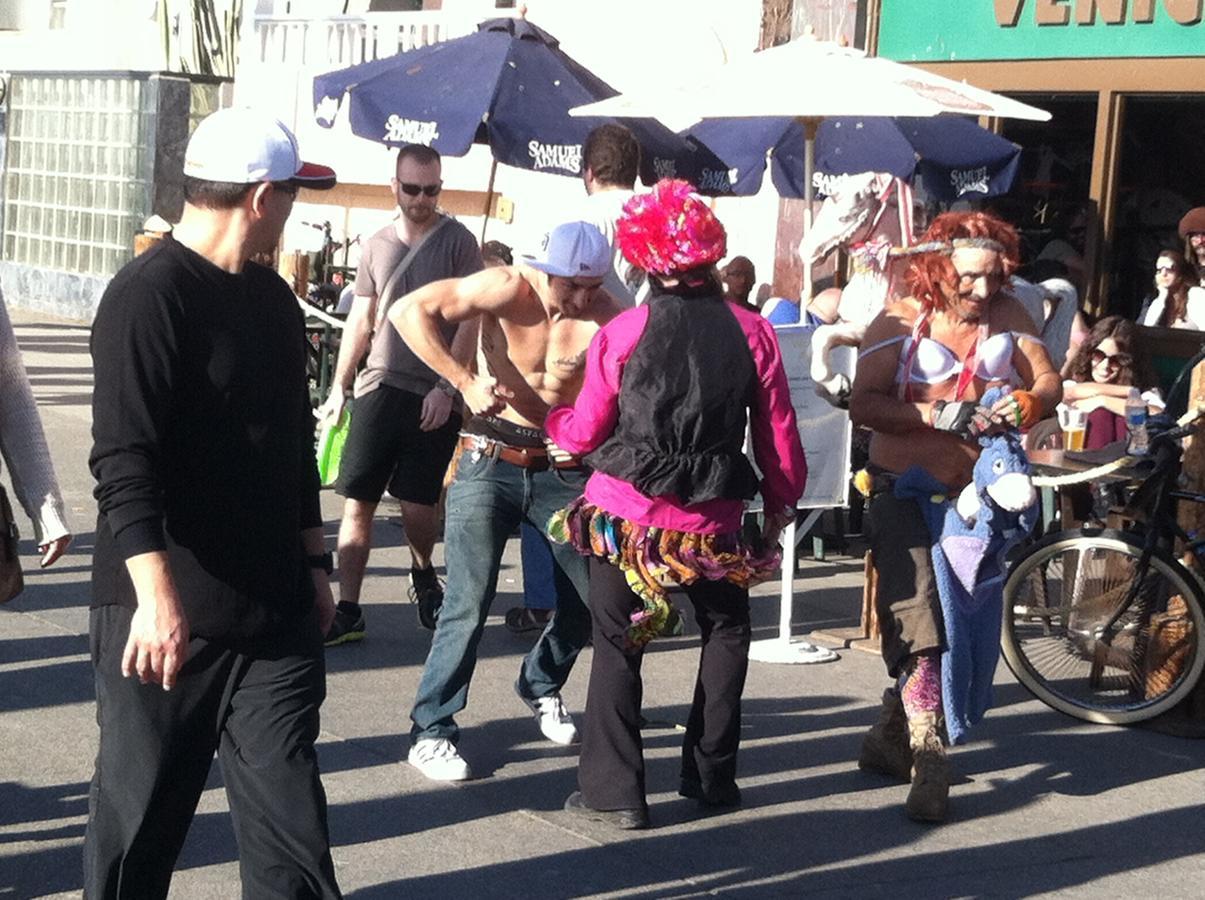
(1165, 270)
(413, 190)
(1116, 360)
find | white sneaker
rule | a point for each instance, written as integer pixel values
(438, 760)
(554, 720)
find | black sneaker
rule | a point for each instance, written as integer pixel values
(715, 796)
(428, 593)
(347, 627)
(626, 819)
(522, 619)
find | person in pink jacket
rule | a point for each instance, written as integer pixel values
(661, 417)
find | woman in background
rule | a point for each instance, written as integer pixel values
(1178, 302)
(1108, 363)
(23, 444)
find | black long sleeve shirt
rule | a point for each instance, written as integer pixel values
(203, 440)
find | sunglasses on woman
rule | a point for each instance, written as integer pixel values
(1115, 360)
(1164, 270)
(413, 190)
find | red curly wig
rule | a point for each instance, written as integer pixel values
(929, 271)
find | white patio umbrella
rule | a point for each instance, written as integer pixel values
(805, 80)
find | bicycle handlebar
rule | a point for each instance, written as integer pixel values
(1183, 427)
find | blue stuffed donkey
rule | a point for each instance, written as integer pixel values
(970, 541)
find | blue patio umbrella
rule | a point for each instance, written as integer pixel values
(508, 85)
(954, 157)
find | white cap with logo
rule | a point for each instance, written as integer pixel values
(242, 146)
(574, 250)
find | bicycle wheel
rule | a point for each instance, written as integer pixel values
(1059, 598)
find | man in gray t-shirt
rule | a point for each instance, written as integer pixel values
(404, 431)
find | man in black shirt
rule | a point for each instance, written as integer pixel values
(210, 581)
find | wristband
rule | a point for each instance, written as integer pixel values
(324, 561)
(445, 387)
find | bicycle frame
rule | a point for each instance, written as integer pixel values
(1158, 527)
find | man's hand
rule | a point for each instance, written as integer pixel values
(1007, 412)
(964, 418)
(484, 396)
(324, 600)
(52, 550)
(332, 409)
(437, 406)
(774, 524)
(158, 644)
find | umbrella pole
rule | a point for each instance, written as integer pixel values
(489, 199)
(810, 125)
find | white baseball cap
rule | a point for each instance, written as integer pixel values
(574, 250)
(243, 146)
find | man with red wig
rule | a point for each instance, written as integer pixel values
(668, 390)
(927, 360)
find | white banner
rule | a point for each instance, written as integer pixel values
(824, 430)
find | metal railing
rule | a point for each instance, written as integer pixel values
(335, 41)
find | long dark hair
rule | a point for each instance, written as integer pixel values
(1176, 304)
(1125, 334)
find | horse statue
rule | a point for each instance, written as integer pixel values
(870, 214)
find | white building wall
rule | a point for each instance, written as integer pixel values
(96, 36)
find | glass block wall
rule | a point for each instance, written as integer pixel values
(79, 170)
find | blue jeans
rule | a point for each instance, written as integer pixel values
(486, 503)
(539, 592)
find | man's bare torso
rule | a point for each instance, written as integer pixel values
(542, 360)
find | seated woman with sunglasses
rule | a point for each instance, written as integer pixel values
(1177, 303)
(1109, 362)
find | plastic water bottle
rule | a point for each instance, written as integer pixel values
(1138, 443)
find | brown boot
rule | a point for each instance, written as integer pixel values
(930, 771)
(885, 747)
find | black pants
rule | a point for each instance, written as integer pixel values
(257, 707)
(611, 770)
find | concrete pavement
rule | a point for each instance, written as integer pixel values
(1048, 806)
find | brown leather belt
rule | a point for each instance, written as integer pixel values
(534, 458)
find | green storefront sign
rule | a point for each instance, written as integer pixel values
(966, 30)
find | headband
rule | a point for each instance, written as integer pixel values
(972, 243)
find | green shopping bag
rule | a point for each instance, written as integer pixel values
(331, 438)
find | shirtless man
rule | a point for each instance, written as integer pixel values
(536, 319)
(926, 362)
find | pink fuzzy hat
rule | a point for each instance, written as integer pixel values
(670, 230)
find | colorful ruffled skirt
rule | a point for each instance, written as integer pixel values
(654, 559)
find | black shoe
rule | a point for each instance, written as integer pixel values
(522, 619)
(625, 819)
(347, 627)
(718, 795)
(428, 593)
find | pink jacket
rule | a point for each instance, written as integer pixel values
(779, 455)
